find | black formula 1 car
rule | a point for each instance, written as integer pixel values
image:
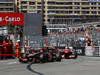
(47, 54)
(30, 56)
(52, 54)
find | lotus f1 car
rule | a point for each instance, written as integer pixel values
(47, 54)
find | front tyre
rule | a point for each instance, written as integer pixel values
(58, 57)
(23, 60)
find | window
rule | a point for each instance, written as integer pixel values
(85, 7)
(31, 3)
(93, 3)
(38, 7)
(93, 7)
(85, 12)
(23, 7)
(98, 7)
(76, 7)
(39, 11)
(39, 3)
(93, 12)
(77, 3)
(98, 3)
(32, 7)
(85, 3)
(77, 12)
(24, 2)
(51, 2)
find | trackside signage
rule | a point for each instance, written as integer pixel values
(11, 19)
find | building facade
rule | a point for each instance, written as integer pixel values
(60, 14)
(7, 6)
(63, 11)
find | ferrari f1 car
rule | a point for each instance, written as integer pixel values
(69, 53)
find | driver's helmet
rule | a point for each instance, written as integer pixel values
(18, 41)
(66, 47)
(71, 48)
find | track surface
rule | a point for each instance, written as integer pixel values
(80, 66)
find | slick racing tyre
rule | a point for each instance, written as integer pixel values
(50, 57)
(75, 56)
(58, 57)
(43, 58)
(23, 60)
(67, 55)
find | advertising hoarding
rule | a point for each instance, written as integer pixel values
(11, 19)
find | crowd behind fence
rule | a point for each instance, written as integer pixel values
(72, 35)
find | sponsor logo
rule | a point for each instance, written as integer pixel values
(10, 19)
(1, 19)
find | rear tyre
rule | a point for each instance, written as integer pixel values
(42, 58)
(50, 57)
(75, 56)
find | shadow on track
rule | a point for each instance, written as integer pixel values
(30, 69)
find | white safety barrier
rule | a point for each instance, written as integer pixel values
(92, 51)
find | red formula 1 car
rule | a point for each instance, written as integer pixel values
(68, 53)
